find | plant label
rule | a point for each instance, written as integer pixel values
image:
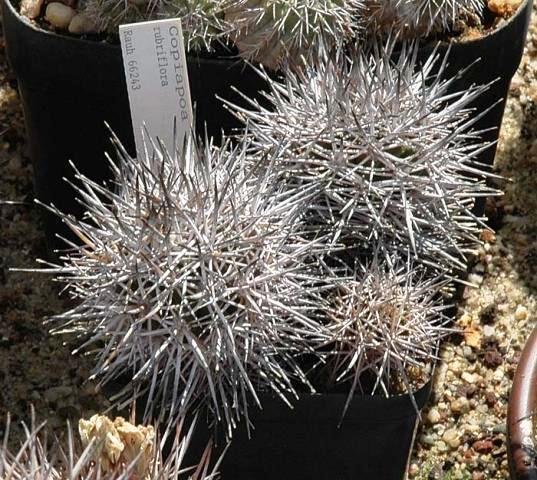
(157, 81)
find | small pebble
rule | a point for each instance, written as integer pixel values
(413, 470)
(442, 446)
(468, 353)
(521, 313)
(488, 314)
(483, 446)
(434, 416)
(59, 15)
(469, 377)
(499, 374)
(460, 405)
(500, 428)
(475, 278)
(492, 359)
(31, 8)
(489, 331)
(428, 439)
(451, 438)
(504, 8)
(81, 24)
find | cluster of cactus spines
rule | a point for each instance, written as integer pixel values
(281, 32)
(391, 152)
(202, 21)
(135, 452)
(387, 318)
(190, 278)
(419, 18)
(276, 31)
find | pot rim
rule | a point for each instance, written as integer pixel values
(105, 47)
(521, 8)
(522, 407)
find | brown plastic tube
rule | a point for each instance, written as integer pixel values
(522, 449)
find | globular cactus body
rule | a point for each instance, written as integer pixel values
(387, 320)
(276, 31)
(201, 20)
(189, 279)
(388, 148)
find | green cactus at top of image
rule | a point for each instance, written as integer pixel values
(271, 31)
(202, 20)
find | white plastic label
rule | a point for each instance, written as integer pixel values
(157, 81)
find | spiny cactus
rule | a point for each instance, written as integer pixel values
(419, 18)
(388, 149)
(272, 31)
(111, 450)
(201, 20)
(386, 319)
(190, 279)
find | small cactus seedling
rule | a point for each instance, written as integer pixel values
(390, 152)
(189, 278)
(386, 319)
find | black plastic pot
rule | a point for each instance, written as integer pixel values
(374, 440)
(69, 87)
(499, 53)
(522, 415)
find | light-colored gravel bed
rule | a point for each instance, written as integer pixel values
(464, 431)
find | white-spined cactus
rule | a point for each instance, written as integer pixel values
(385, 321)
(276, 31)
(389, 151)
(108, 450)
(189, 280)
(420, 18)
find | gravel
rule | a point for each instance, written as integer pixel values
(463, 435)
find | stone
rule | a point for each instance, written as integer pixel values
(488, 314)
(434, 416)
(500, 428)
(59, 15)
(488, 236)
(413, 470)
(428, 439)
(472, 337)
(499, 374)
(31, 8)
(475, 279)
(451, 437)
(468, 353)
(489, 331)
(521, 313)
(492, 359)
(504, 8)
(469, 377)
(442, 446)
(483, 446)
(460, 405)
(81, 24)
